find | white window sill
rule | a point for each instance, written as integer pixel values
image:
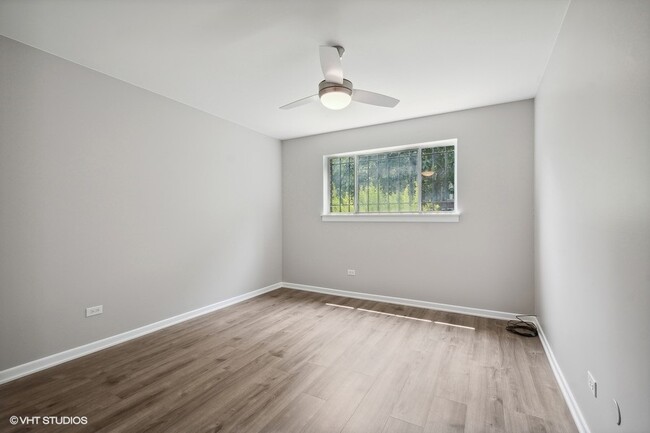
(441, 217)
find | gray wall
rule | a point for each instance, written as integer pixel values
(592, 179)
(484, 261)
(113, 195)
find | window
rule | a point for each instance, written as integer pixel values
(341, 184)
(396, 184)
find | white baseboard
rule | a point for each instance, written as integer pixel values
(68, 355)
(403, 301)
(578, 418)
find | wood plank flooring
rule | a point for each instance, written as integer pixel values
(288, 362)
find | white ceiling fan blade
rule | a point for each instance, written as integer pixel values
(299, 102)
(373, 98)
(330, 63)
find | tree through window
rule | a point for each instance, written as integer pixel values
(409, 179)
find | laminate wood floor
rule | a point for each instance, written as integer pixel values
(288, 362)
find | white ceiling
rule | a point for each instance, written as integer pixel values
(241, 59)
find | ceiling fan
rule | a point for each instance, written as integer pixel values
(334, 91)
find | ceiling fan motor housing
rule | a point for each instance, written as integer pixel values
(327, 87)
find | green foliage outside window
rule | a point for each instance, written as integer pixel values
(389, 182)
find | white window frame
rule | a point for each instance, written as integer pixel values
(445, 216)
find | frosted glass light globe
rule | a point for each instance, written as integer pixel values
(336, 99)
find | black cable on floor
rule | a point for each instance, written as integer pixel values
(521, 327)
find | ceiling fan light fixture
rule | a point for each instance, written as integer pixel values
(336, 99)
(335, 96)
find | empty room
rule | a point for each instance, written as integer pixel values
(290, 216)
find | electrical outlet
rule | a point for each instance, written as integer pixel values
(93, 311)
(593, 386)
(352, 272)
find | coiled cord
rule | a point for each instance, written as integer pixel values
(521, 327)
